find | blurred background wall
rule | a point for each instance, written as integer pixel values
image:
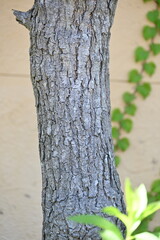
(20, 179)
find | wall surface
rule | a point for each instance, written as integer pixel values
(20, 179)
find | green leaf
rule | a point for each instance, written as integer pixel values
(149, 68)
(110, 234)
(155, 187)
(136, 200)
(131, 109)
(151, 208)
(128, 194)
(115, 212)
(115, 132)
(141, 54)
(155, 47)
(157, 24)
(141, 200)
(117, 160)
(127, 124)
(134, 76)
(128, 97)
(117, 115)
(143, 227)
(146, 236)
(98, 222)
(144, 89)
(123, 144)
(158, 2)
(153, 15)
(147, 0)
(92, 220)
(156, 229)
(149, 32)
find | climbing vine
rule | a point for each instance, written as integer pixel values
(122, 119)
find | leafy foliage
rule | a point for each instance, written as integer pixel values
(135, 76)
(149, 68)
(141, 54)
(144, 89)
(137, 210)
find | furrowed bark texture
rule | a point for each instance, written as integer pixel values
(69, 69)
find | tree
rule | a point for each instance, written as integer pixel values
(69, 70)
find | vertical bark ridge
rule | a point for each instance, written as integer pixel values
(69, 68)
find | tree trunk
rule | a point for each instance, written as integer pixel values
(69, 70)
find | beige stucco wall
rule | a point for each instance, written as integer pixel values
(20, 180)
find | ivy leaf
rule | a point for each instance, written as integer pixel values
(131, 109)
(134, 76)
(128, 97)
(149, 68)
(117, 160)
(127, 124)
(152, 16)
(117, 115)
(155, 47)
(157, 24)
(123, 144)
(144, 89)
(115, 132)
(141, 54)
(149, 32)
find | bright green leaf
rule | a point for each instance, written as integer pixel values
(136, 199)
(115, 132)
(155, 187)
(155, 47)
(110, 234)
(117, 160)
(141, 200)
(141, 54)
(123, 144)
(149, 32)
(115, 212)
(117, 115)
(134, 225)
(134, 76)
(98, 222)
(153, 15)
(93, 220)
(129, 193)
(128, 97)
(151, 208)
(131, 109)
(146, 236)
(149, 68)
(144, 89)
(127, 124)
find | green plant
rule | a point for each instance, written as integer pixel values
(137, 211)
(153, 195)
(122, 119)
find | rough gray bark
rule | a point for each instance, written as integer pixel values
(69, 70)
